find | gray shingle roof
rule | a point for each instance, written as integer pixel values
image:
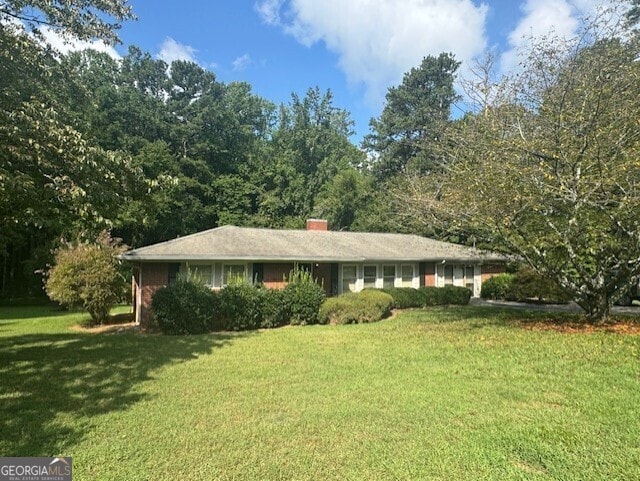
(255, 244)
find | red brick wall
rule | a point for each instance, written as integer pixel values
(429, 275)
(490, 270)
(154, 276)
(317, 224)
(274, 275)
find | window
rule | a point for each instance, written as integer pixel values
(370, 275)
(202, 274)
(388, 276)
(174, 269)
(468, 277)
(448, 275)
(349, 278)
(233, 272)
(406, 271)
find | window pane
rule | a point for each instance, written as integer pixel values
(448, 274)
(388, 276)
(468, 277)
(232, 272)
(349, 278)
(201, 274)
(370, 274)
(407, 275)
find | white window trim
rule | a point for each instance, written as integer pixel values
(460, 280)
(377, 282)
(359, 280)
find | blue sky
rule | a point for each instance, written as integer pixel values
(356, 48)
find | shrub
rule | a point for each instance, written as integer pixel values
(498, 287)
(185, 307)
(304, 297)
(405, 297)
(240, 306)
(454, 295)
(88, 276)
(274, 307)
(447, 295)
(528, 284)
(369, 305)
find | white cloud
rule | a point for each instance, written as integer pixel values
(65, 45)
(242, 62)
(556, 18)
(378, 41)
(171, 50)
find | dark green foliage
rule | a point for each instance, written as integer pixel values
(529, 285)
(414, 111)
(406, 297)
(275, 308)
(240, 307)
(186, 307)
(525, 285)
(447, 295)
(497, 287)
(304, 297)
(370, 305)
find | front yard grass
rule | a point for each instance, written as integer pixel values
(442, 394)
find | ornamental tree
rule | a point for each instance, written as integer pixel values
(551, 172)
(88, 276)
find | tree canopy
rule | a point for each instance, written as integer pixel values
(551, 173)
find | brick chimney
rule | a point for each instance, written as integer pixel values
(317, 224)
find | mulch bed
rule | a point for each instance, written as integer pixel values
(616, 326)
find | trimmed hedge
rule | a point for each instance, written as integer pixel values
(498, 287)
(525, 285)
(185, 307)
(370, 305)
(240, 307)
(406, 297)
(447, 295)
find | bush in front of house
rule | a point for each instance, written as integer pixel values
(240, 306)
(406, 297)
(274, 307)
(498, 287)
(185, 307)
(304, 296)
(524, 285)
(528, 285)
(447, 295)
(370, 305)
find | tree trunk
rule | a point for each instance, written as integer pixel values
(597, 307)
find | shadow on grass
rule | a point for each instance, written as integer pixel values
(34, 312)
(51, 385)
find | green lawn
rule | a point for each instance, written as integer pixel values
(446, 394)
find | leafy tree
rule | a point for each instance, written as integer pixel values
(53, 180)
(414, 112)
(87, 276)
(553, 175)
(84, 20)
(344, 198)
(308, 147)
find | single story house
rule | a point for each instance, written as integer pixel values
(341, 261)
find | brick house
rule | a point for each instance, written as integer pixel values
(341, 261)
